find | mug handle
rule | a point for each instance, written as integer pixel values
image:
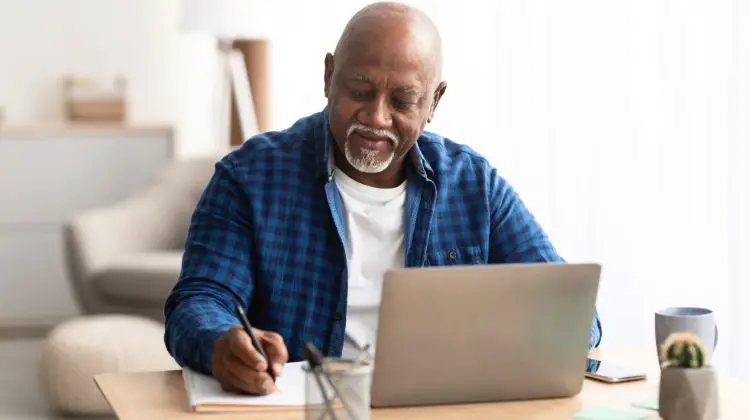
(716, 335)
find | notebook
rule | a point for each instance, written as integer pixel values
(205, 394)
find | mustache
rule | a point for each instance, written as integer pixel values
(379, 132)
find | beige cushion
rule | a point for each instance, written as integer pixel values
(77, 350)
(140, 278)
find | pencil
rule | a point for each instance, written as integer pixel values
(256, 343)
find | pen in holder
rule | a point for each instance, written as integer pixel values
(336, 389)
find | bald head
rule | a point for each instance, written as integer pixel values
(399, 27)
(383, 85)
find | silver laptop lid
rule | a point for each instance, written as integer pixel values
(483, 333)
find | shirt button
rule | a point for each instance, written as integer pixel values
(337, 316)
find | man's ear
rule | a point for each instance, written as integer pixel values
(328, 74)
(439, 91)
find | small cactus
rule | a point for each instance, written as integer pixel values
(683, 350)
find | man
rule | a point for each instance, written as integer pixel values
(298, 226)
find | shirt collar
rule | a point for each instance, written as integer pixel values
(327, 166)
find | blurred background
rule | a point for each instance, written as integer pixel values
(623, 124)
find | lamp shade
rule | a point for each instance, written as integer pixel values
(227, 19)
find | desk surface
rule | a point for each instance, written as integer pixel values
(161, 395)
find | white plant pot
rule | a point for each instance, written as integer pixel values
(688, 394)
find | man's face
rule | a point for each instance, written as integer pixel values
(380, 97)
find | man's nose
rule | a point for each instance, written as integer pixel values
(378, 113)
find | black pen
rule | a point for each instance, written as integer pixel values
(256, 343)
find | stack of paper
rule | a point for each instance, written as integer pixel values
(205, 394)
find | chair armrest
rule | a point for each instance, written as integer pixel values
(140, 278)
(155, 221)
(140, 224)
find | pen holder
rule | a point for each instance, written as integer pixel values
(349, 396)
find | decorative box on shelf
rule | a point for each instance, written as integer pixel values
(88, 102)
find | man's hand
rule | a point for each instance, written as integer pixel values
(240, 368)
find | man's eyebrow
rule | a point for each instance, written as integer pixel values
(409, 89)
(358, 77)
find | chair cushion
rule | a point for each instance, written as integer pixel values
(140, 278)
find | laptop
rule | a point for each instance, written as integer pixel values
(483, 333)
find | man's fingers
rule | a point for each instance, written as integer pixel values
(239, 367)
(231, 383)
(227, 385)
(273, 345)
(241, 346)
(248, 380)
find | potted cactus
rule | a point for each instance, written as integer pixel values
(688, 387)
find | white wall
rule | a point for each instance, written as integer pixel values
(170, 74)
(740, 179)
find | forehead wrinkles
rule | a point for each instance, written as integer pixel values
(368, 58)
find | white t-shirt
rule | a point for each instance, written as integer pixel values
(373, 219)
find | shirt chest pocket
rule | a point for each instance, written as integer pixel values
(464, 255)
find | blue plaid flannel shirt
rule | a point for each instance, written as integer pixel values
(268, 232)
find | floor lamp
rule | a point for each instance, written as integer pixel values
(228, 21)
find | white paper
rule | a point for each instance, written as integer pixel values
(206, 390)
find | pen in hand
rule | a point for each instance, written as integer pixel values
(256, 343)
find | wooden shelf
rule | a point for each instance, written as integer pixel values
(80, 128)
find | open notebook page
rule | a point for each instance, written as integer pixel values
(205, 394)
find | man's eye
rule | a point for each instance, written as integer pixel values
(398, 103)
(358, 94)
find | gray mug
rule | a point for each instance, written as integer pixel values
(698, 321)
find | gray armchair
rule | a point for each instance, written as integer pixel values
(127, 257)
